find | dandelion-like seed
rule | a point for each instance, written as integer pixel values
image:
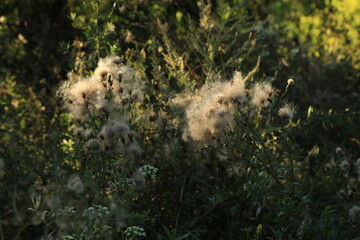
(83, 96)
(345, 165)
(354, 213)
(290, 82)
(135, 231)
(261, 94)
(338, 150)
(209, 114)
(98, 95)
(92, 145)
(75, 184)
(287, 111)
(134, 149)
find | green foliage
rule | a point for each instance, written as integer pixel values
(267, 177)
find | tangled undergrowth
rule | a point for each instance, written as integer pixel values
(192, 120)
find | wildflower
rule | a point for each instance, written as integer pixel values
(75, 184)
(110, 61)
(345, 165)
(182, 101)
(129, 37)
(2, 19)
(138, 177)
(290, 82)
(88, 133)
(137, 95)
(148, 171)
(110, 27)
(327, 166)
(53, 202)
(209, 114)
(287, 111)
(78, 44)
(342, 194)
(261, 94)
(107, 133)
(22, 38)
(134, 149)
(92, 144)
(83, 97)
(119, 127)
(135, 231)
(354, 213)
(338, 150)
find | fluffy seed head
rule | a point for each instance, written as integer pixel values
(211, 112)
(345, 165)
(287, 111)
(338, 150)
(75, 184)
(261, 94)
(290, 82)
(92, 145)
(354, 213)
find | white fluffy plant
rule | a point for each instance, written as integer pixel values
(211, 112)
(99, 105)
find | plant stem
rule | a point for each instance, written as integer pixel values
(270, 170)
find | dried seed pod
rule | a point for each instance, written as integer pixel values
(103, 74)
(131, 137)
(125, 101)
(120, 75)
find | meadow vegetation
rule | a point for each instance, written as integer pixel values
(174, 120)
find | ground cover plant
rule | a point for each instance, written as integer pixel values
(179, 119)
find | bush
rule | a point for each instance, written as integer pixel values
(180, 120)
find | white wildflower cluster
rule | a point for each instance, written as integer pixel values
(116, 137)
(111, 84)
(182, 100)
(97, 211)
(75, 184)
(344, 165)
(208, 117)
(261, 94)
(135, 231)
(212, 111)
(354, 214)
(148, 171)
(110, 87)
(287, 111)
(338, 150)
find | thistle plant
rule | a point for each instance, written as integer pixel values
(186, 139)
(99, 104)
